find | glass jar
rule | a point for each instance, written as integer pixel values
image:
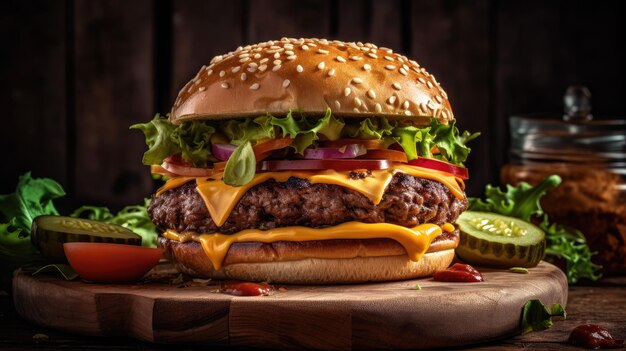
(590, 156)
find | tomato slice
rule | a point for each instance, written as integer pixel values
(431, 163)
(312, 165)
(111, 263)
(370, 144)
(391, 155)
(263, 148)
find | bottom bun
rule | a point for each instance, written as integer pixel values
(358, 263)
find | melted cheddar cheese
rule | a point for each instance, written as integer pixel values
(415, 240)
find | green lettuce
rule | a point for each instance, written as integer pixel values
(562, 243)
(536, 316)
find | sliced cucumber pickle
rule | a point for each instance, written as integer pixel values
(491, 239)
(49, 233)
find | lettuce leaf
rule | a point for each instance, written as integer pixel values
(158, 133)
(193, 140)
(241, 166)
(562, 243)
(305, 131)
(536, 316)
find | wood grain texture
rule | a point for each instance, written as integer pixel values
(113, 91)
(377, 22)
(386, 315)
(202, 30)
(451, 40)
(32, 91)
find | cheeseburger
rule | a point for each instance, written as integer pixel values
(309, 161)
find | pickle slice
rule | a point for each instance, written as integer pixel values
(49, 233)
(491, 239)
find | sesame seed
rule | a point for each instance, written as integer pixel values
(391, 100)
(358, 102)
(291, 58)
(236, 69)
(321, 65)
(222, 73)
(347, 91)
(355, 58)
(431, 105)
(371, 94)
(331, 72)
(405, 67)
(253, 64)
(286, 83)
(322, 51)
(299, 68)
(275, 47)
(341, 59)
(277, 62)
(337, 104)
(244, 59)
(264, 60)
(378, 108)
(196, 80)
(262, 68)
(202, 89)
(396, 86)
(444, 95)
(312, 44)
(254, 86)
(324, 41)
(277, 55)
(389, 58)
(421, 80)
(304, 47)
(190, 88)
(355, 110)
(244, 76)
(289, 53)
(390, 67)
(407, 112)
(405, 105)
(251, 69)
(403, 72)
(209, 72)
(363, 48)
(257, 56)
(429, 84)
(423, 108)
(276, 68)
(357, 80)
(416, 70)
(372, 55)
(224, 85)
(244, 55)
(367, 67)
(438, 98)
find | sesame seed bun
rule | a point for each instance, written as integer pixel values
(311, 75)
(314, 262)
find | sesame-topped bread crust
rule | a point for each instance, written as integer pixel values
(311, 75)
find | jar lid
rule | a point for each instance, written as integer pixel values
(574, 137)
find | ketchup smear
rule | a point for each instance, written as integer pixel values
(459, 272)
(593, 336)
(239, 288)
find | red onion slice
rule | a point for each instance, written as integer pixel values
(222, 151)
(349, 151)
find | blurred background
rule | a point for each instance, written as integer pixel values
(75, 73)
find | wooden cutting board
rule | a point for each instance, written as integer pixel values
(383, 315)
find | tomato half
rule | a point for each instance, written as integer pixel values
(111, 263)
(391, 155)
(460, 172)
(312, 165)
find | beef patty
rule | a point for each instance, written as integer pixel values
(408, 201)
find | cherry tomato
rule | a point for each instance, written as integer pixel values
(369, 144)
(111, 263)
(431, 163)
(391, 155)
(311, 165)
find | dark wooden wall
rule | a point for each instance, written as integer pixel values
(74, 74)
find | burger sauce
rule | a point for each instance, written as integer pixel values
(593, 336)
(239, 288)
(460, 273)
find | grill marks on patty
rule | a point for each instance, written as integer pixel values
(408, 201)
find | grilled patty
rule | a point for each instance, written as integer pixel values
(408, 201)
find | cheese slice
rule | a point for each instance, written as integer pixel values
(415, 240)
(220, 199)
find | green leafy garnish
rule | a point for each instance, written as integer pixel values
(241, 166)
(135, 218)
(536, 316)
(418, 287)
(562, 243)
(519, 270)
(193, 139)
(61, 268)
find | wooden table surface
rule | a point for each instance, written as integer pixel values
(602, 303)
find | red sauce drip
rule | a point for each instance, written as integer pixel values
(460, 273)
(239, 288)
(593, 336)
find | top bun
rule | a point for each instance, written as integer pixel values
(311, 75)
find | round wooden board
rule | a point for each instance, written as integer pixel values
(390, 315)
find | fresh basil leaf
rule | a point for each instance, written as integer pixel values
(241, 166)
(536, 316)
